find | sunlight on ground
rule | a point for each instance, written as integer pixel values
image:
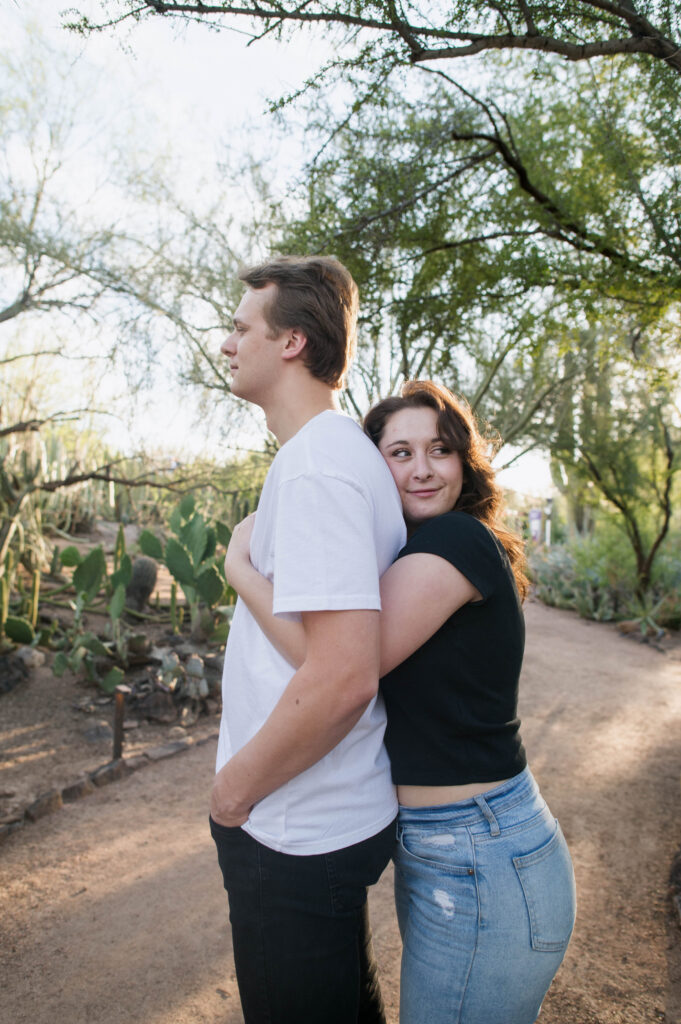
(152, 860)
(28, 758)
(24, 730)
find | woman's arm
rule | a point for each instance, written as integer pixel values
(418, 594)
(256, 592)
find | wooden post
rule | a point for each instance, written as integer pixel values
(119, 715)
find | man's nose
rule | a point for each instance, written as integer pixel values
(228, 347)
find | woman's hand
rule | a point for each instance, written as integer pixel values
(238, 555)
(257, 594)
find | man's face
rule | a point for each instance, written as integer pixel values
(254, 354)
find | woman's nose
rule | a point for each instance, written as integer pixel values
(422, 468)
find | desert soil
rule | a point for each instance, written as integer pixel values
(112, 909)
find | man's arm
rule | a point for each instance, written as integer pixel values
(322, 702)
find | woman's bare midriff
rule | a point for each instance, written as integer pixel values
(433, 796)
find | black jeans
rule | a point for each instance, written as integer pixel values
(300, 929)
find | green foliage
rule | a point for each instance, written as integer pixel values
(112, 679)
(596, 576)
(18, 629)
(191, 559)
(80, 649)
(122, 576)
(517, 246)
(223, 533)
(617, 440)
(489, 234)
(117, 603)
(179, 563)
(150, 545)
(89, 573)
(666, 587)
(70, 556)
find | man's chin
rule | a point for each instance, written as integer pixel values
(246, 394)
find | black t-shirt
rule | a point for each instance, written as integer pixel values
(452, 705)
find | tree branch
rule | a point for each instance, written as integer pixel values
(415, 197)
(657, 46)
(644, 38)
(535, 406)
(34, 425)
(665, 501)
(30, 355)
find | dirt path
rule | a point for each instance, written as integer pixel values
(112, 910)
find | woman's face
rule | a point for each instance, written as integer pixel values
(428, 474)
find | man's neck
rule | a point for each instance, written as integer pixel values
(298, 406)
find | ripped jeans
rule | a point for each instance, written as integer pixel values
(485, 896)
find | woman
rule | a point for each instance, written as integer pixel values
(483, 879)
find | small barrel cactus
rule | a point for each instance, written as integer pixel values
(140, 587)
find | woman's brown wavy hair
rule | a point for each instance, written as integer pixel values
(480, 495)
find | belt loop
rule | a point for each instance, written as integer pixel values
(494, 829)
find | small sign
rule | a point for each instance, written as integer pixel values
(535, 523)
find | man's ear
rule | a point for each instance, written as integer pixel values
(295, 343)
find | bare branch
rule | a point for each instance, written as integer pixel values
(34, 425)
(492, 371)
(512, 462)
(534, 406)
(30, 355)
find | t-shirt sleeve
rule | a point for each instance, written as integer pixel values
(464, 542)
(324, 547)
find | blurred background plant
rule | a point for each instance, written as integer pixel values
(595, 575)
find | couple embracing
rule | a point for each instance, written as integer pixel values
(375, 554)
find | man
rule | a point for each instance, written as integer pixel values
(303, 807)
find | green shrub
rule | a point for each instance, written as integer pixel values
(666, 588)
(596, 577)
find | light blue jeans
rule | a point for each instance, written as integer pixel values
(485, 896)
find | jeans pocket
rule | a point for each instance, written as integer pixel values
(548, 882)
(445, 851)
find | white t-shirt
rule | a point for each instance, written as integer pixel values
(329, 524)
